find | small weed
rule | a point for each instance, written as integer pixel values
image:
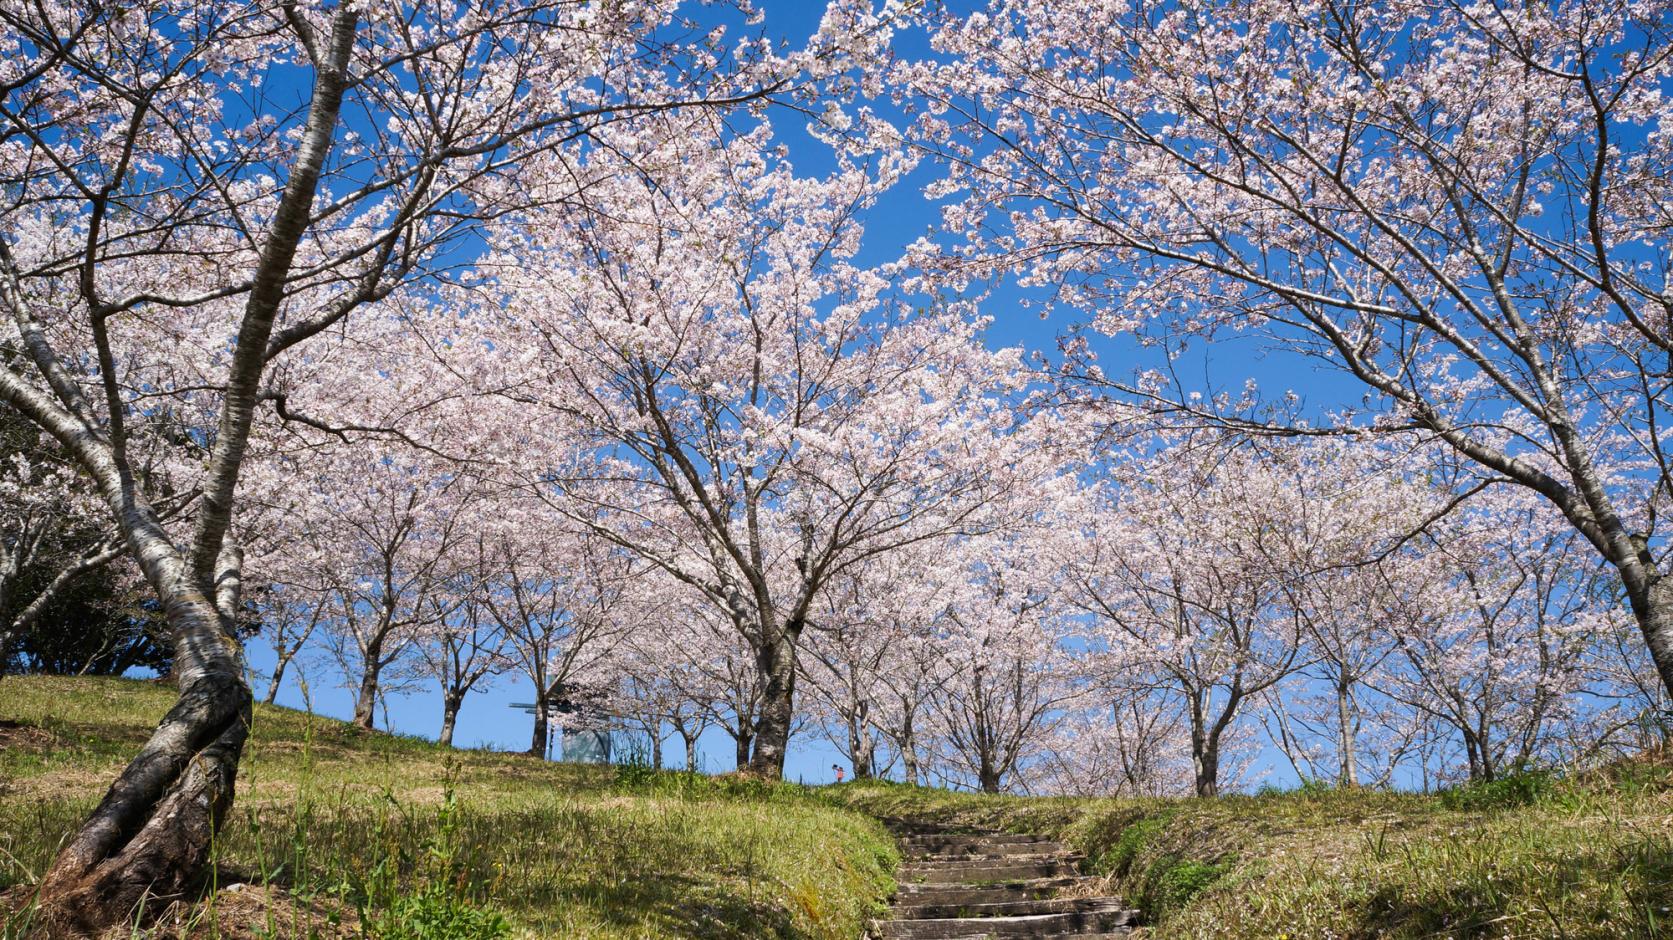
(437, 913)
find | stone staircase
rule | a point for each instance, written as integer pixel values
(962, 885)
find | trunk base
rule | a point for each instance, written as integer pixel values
(164, 860)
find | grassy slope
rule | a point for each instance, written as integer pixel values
(595, 853)
(562, 850)
(1590, 857)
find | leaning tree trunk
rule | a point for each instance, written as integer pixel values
(148, 841)
(776, 661)
(1652, 607)
(273, 682)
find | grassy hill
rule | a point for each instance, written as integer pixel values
(1532, 856)
(342, 833)
(334, 825)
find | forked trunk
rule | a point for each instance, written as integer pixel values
(148, 841)
(150, 838)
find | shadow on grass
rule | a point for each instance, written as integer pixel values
(676, 903)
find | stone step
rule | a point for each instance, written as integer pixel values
(967, 838)
(955, 893)
(982, 871)
(1119, 933)
(1071, 924)
(985, 850)
(1011, 908)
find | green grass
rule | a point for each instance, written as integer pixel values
(348, 833)
(1583, 857)
(361, 824)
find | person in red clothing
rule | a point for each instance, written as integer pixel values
(837, 769)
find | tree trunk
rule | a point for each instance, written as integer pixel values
(988, 778)
(743, 739)
(1347, 774)
(776, 660)
(861, 745)
(1652, 607)
(690, 751)
(656, 751)
(909, 750)
(538, 741)
(450, 705)
(367, 700)
(148, 841)
(151, 836)
(1207, 766)
(278, 677)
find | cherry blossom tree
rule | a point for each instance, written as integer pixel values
(1008, 681)
(288, 623)
(1176, 578)
(762, 419)
(563, 600)
(844, 659)
(1491, 643)
(1462, 209)
(386, 528)
(463, 649)
(1135, 745)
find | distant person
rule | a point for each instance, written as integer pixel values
(837, 769)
